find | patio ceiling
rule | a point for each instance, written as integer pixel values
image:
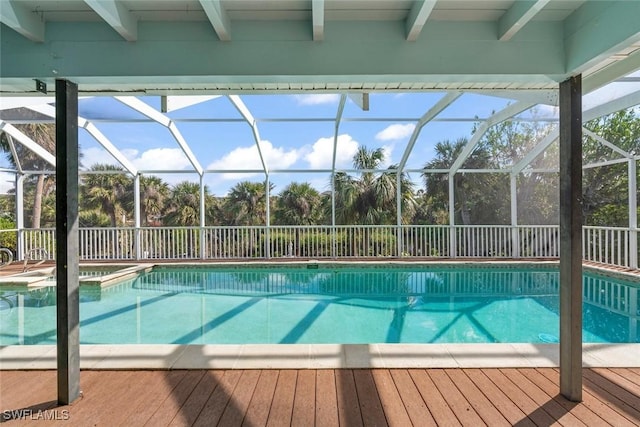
(227, 46)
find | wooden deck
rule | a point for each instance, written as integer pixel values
(346, 397)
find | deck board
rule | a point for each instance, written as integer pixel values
(326, 398)
(593, 401)
(258, 409)
(437, 404)
(370, 405)
(329, 397)
(621, 400)
(142, 407)
(582, 412)
(304, 404)
(543, 400)
(234, 414)
(456, 401)
(509, 410)
(536, 413)
(348, 407)
(282, 404)
(217, 402)
(483, 407)
(413, 402)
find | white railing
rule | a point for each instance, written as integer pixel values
(539, 241)
(107, 243)
(608, 245)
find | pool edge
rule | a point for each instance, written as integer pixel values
(317, 356)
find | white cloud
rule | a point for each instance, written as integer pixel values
(6, 182)
(248, 158)
(321, 154)
(395, 132)
(158, 159)
(317, 99)
(95, 155)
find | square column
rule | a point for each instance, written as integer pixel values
(67, 242)
(571, 238)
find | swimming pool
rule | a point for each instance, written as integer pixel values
(327, 304)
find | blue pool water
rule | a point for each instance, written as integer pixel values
(329, 304)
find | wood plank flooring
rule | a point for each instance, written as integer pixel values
(345, 397)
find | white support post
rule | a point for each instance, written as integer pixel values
(399, 213)
(452, 218)
(334, 249)
(633, 215)
(20, 216)
(136, 216)
(203, 219)
(515, 236)
(267, 243)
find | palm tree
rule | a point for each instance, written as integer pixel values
(106, 191)
(44, 135)
(371, 197)
(299, 204)
(478, 201)
(183, 210)
(246, 203)
(184, 204)
(155, 194)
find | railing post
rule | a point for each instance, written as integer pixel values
(452, 219)
(203, 219)
(20, 217)
(633, 215)
(136, 216)
(515, 235)
(334, 241)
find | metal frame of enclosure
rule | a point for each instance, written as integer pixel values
(526, 50)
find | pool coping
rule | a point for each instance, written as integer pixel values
(38, 278)
(317, 356)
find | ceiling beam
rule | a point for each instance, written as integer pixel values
(244, 111)
(49, 110)
(620, 68)
(317, 17)
(598, 30)
(443, 103)
(218, 17)
(26, 22)
(172, 103)
(156, 116)
(518, 16)
(360, 99)
(27, 142)
(498, 117)
(114, 13)
(418, 16)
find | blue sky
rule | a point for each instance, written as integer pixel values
(228, 146)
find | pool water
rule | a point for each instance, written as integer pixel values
(327, 305)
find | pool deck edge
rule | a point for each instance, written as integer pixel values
(317, 356)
